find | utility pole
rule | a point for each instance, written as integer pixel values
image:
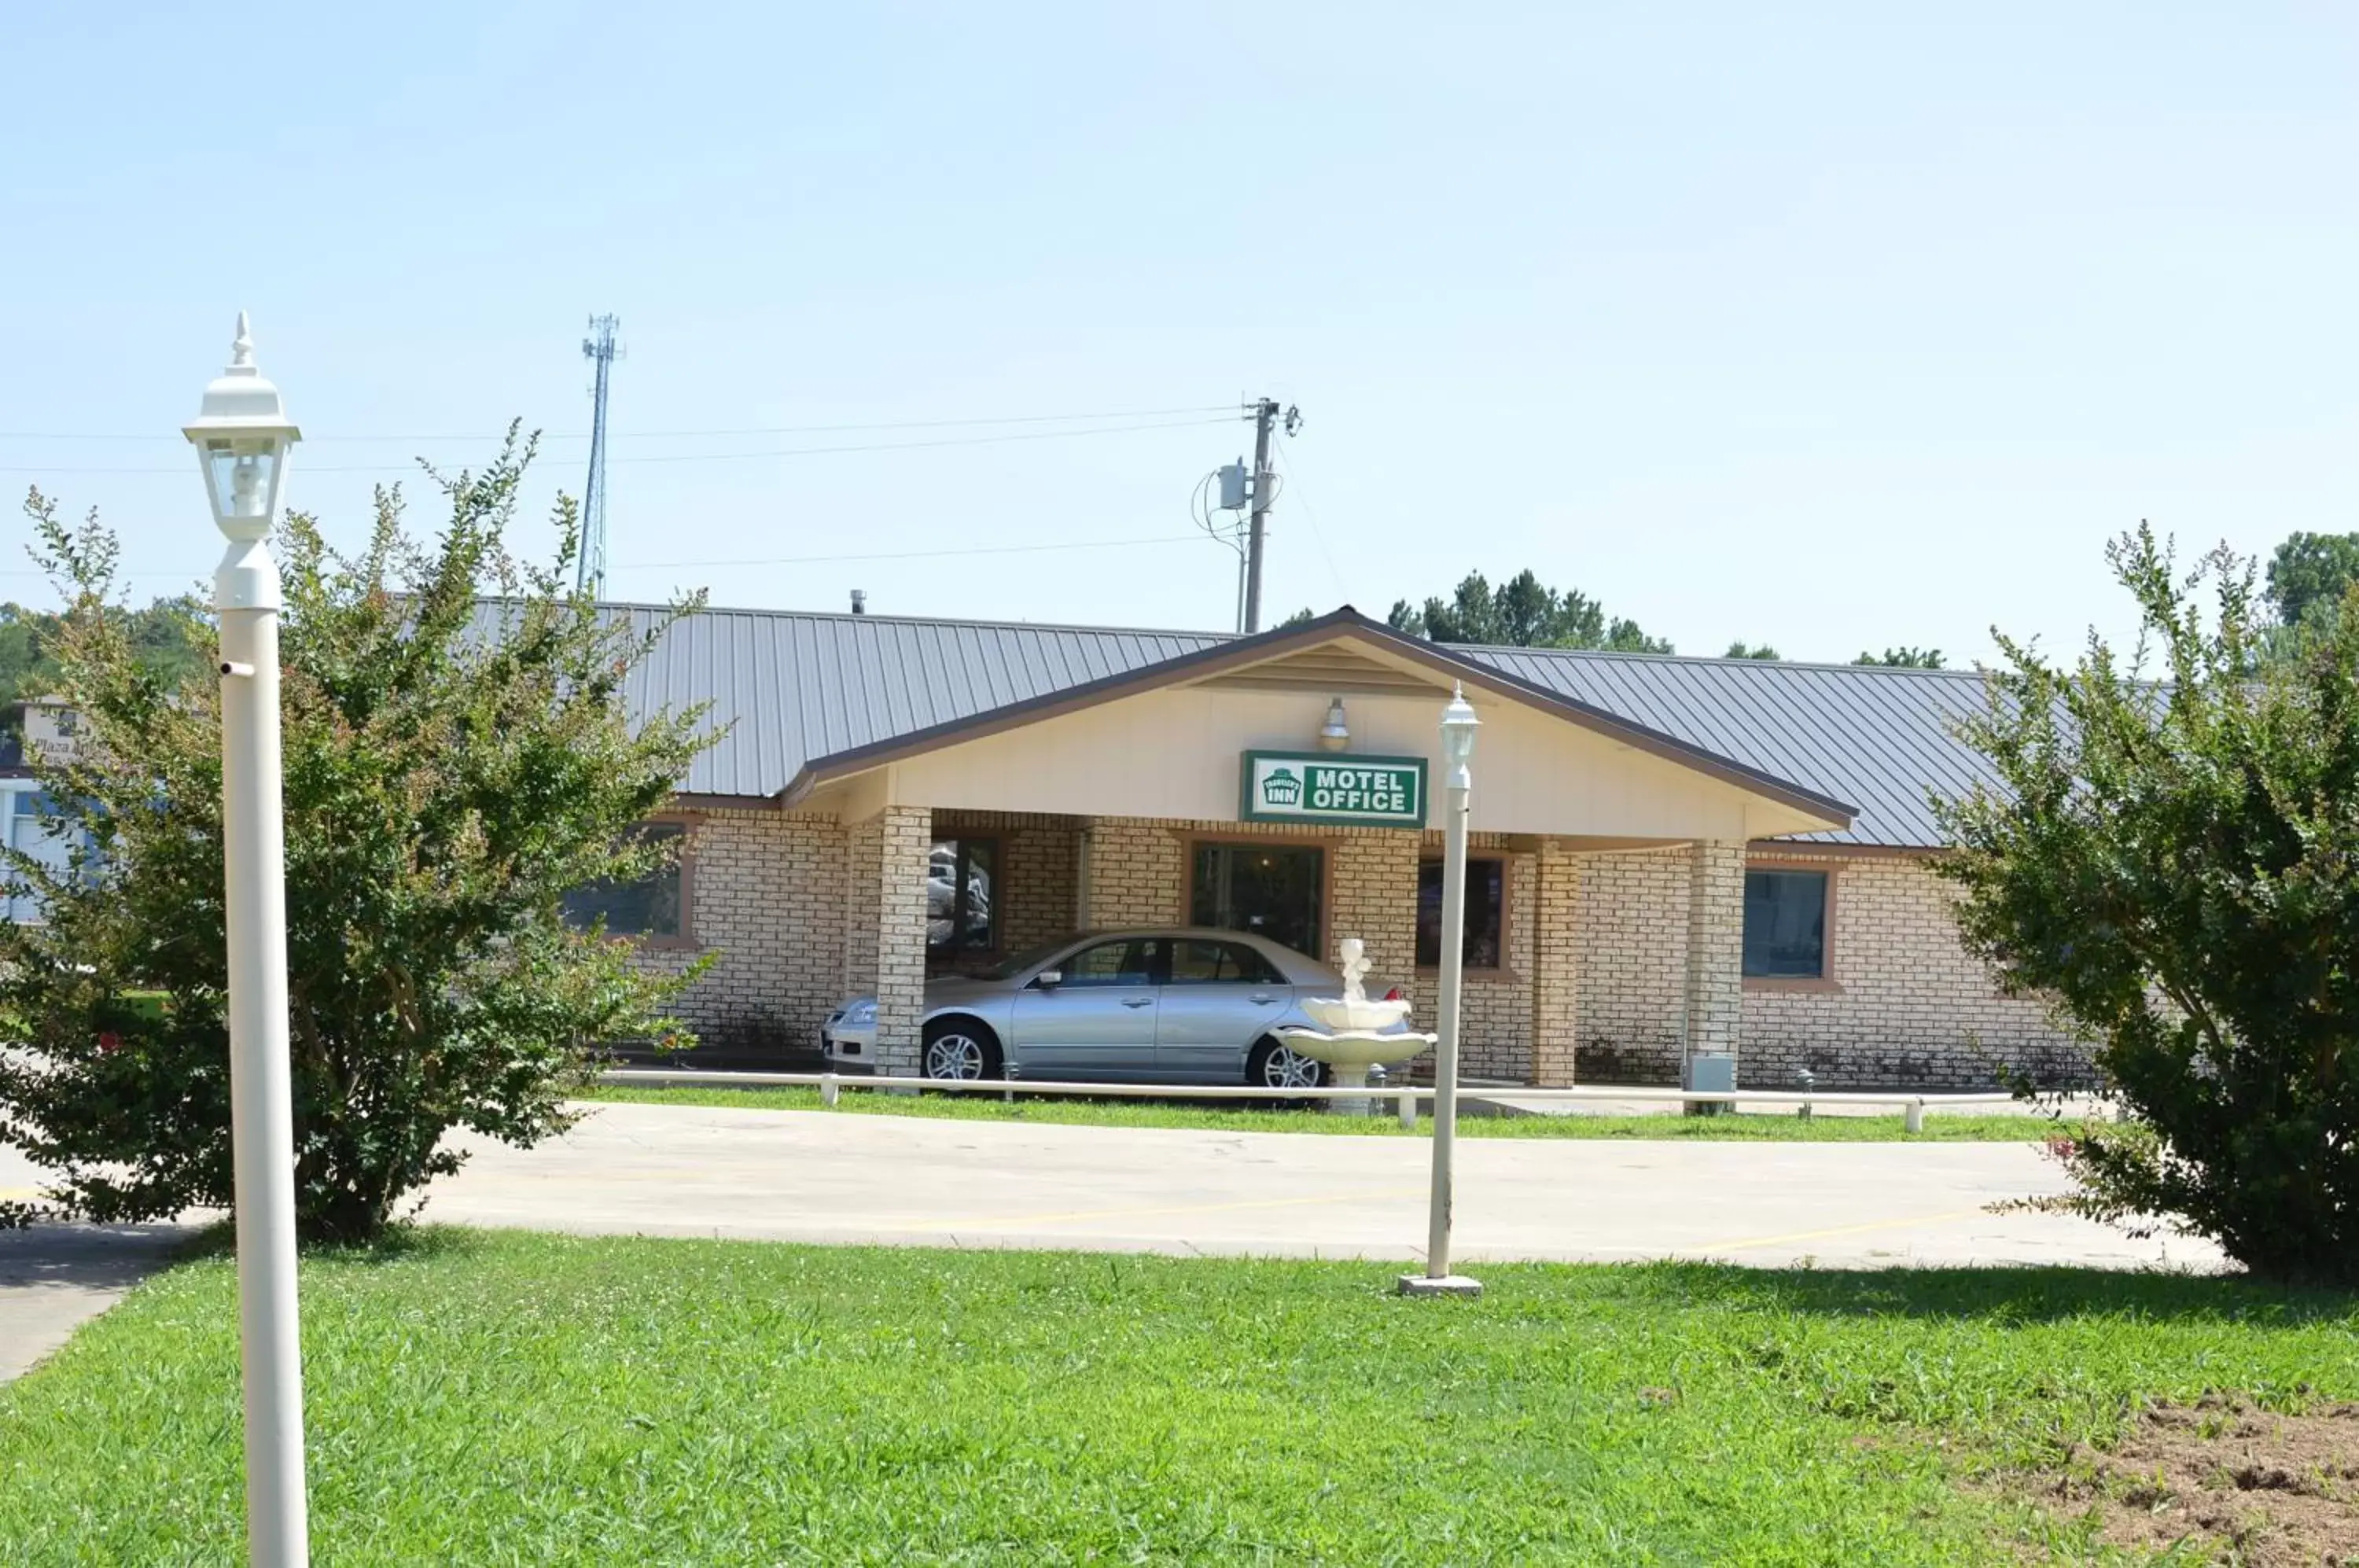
(1264, 415)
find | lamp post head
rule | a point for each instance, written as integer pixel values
(242, 438)
(1457, 727)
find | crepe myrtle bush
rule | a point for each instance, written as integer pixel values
(2169, 852)
(457, 759)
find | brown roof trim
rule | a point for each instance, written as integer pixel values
(1280, 641)
(1834, 850)
(682, 800)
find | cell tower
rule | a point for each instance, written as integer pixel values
(590, 571)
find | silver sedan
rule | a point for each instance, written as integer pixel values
(1177, 1005)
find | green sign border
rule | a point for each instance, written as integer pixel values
(1248, 813)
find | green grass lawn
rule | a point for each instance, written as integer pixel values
(1230, 1117)
(509, 1397)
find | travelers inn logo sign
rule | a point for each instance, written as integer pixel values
(1323, 787)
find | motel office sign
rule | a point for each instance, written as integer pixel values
(1324, 787)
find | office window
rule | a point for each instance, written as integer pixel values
(1275, 891)
(654, 906)
(961, 914)
(1786, 925)
(1486, 913)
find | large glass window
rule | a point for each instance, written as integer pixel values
(654, 906)
(1786, 925)
(1275, 891)
(961, 914)
(1486, 913)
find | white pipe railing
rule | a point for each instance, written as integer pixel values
(830, 1084)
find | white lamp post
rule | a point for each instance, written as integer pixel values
(1457, 727)
(244, 439)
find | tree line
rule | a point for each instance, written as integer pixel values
(2307, 578)
(171, 638)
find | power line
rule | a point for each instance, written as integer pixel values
(794, 560)
(677, 435)
(909, 554)
(694, 456)
(1318, 535)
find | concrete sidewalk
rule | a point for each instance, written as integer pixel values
(833, 1177)
(53, 1278)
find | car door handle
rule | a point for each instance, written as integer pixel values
(1262, 1001)
(1138, 1001)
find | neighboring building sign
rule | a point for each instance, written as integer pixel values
(1330, 787)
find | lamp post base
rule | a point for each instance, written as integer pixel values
(1447, 1285)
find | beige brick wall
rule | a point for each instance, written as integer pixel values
(1040, 864)
(1631, 934)
(1134, 872)
(765, 892)
(1372, 885)
(1715, 987)
(1555, 958)
(864, 849)
(1495, 1007)
(1912, 1007)
(791, 907)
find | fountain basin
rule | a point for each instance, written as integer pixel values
(1353, 1052)
(1349, 1015)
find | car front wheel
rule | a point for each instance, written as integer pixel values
(958, 1049)
(1274, 1064)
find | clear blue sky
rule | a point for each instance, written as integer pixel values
(1828, 326)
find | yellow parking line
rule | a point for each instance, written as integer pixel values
(1836, 1230)
(1071, 1216)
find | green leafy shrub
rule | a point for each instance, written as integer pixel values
(454, 764)
(2171, 852)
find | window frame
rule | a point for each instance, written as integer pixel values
(1824, 982)
(1325, 844)
(687, 823)
(1504, 969)
(951, 953)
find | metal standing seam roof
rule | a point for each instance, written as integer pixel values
(789, 688)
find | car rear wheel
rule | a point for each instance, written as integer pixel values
(1274, 1064)
(959, 1049)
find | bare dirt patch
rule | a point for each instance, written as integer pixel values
(2250, 1487)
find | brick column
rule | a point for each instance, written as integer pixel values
(1132, 874)
(1715, 979)
(904, 838)
(1555, 963)
(1374, 881)
(864, 843)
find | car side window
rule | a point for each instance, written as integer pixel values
(1128, 963)
(1250, 967)
(1198, 962)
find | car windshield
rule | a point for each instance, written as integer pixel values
(1009, 968)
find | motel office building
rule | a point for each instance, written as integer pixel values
(1668, 853)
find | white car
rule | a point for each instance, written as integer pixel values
(1181, 1005)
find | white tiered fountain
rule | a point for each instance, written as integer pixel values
(1354, 1033)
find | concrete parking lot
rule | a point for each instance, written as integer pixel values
(822, 1177)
